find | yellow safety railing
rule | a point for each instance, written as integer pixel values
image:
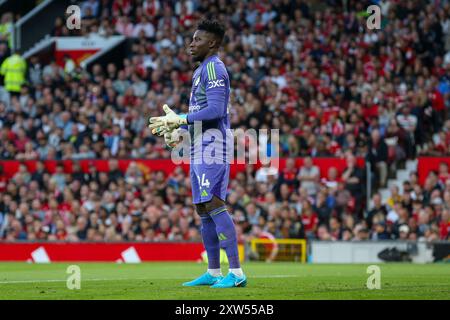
(301, 243)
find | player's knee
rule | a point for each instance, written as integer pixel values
(213, 204)
(200, 208)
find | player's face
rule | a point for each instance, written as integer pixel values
(200, 45)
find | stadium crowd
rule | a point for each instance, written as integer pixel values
(332, 87)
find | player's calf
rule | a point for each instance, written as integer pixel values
(226, 233)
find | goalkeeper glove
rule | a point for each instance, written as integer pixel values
(164, 124)
(172, 138)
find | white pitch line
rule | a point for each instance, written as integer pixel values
(276, 276)
(141, 279)
(52, 280)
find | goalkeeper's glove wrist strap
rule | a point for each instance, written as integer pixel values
(184, 119)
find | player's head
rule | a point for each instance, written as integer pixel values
(207, 39)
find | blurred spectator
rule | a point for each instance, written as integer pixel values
(378, 156)
(353, 177)
(69, 64)
(309, 176)
(408, 122)
(6, 28)
(13, 69)
(144, 27)
(90, 7)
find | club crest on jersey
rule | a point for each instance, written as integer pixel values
(196, 81)
(216, 83)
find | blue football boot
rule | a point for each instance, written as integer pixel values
(231, 281)
(204, 280)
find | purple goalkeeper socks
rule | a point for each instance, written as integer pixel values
(226, 233)
(210, 241)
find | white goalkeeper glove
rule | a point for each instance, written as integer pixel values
(164, 124)
(172, 138)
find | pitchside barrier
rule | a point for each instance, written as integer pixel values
(295, 250)
(136, 252)
(119, 252)
(378, 251)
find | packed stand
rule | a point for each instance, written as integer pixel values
(144, 205)
(332, 87)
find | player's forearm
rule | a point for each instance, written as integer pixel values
(213, 111)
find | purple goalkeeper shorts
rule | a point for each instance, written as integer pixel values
(208, 180)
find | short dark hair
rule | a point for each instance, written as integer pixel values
(214, 27)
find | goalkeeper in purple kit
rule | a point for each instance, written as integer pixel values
(209, 172)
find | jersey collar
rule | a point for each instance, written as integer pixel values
(208, 59)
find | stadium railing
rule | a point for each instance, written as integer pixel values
(278, 250)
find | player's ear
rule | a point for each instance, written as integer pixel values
(212, 42)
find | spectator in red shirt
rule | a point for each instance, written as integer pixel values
(288, 175)
(21, 140)
(444, 173)
(164, 229)
(309, 219)
(444, 225)
(332, 179)
(3, 180)
(61, 232)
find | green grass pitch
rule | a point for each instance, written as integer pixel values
(276, 281)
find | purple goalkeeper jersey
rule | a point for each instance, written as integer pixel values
(209, 103)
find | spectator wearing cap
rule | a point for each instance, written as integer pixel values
(403, 232)
(309, 219)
